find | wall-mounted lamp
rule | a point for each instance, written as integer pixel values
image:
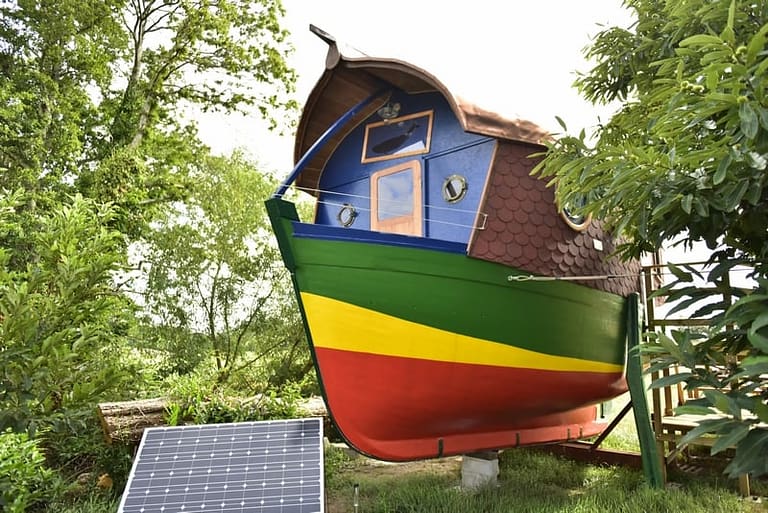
(389, 111)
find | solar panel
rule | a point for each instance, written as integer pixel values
(269, 466)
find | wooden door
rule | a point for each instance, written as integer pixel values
(396, 199)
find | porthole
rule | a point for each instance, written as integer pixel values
(576, 221)
(347, 214)
(454, 188)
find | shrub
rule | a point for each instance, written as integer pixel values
(24, 478)
(76, 446)
(196, 399)
(61, 321)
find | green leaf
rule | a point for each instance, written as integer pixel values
(727, 35)
(757, 339)
(723, 402)
(702, 208)
(669, 344)
(756, 45)
(756, 160)
(705, 427)
(701, 40)
(750, 456)
(748, 120)
(761, 409)
(716, 56)
(561, 123)
(679, 273)
(722, 169)
(686, 203)
(762, 114)
(723, 98)
(753, 194)
(693, 409)
(679, 72)
(731, 13)
(749, 372)
(730, 438)
(734, 195)
(754, 360)
(672, 379)
(751, 298)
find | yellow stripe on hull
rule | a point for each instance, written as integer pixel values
(339, 325)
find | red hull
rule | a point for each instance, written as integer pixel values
(403, 409)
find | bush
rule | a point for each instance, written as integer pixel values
(197, 400)
(76, 446)
(24, 478)
(61, 321)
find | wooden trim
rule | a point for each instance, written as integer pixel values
(580, 227)
(410, 224)
(477, 225)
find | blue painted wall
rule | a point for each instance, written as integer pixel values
(452, 151)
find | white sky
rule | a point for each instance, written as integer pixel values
(518, 58)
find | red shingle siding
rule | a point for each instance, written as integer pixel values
(525, 231)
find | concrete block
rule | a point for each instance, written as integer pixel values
(479, 471)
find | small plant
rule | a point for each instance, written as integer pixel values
(335, 461)
(24, 478)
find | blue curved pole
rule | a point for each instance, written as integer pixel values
(330, 132)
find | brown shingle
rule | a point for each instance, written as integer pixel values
(525, 231)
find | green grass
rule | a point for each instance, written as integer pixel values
(96, 503)
(623, 437)
(529, 481)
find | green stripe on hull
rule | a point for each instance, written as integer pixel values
(455, 293)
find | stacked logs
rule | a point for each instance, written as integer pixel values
(125, 421)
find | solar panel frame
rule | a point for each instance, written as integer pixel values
(273, 466)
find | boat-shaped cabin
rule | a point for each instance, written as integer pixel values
(426, 279)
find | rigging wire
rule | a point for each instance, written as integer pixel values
(393, 208)
(368, 198)
(654, 271)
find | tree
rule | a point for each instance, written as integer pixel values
(97, 132)
(685, 159)
(214, 272)
(96, 94)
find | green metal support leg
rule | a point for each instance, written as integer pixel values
(654, 473)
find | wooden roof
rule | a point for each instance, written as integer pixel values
(348, 80)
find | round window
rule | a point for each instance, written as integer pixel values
(576, 221)
(454, 188)
(346, 215)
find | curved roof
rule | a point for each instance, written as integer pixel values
(348, 80)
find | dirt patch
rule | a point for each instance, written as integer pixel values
(366, 469)
(441, 466)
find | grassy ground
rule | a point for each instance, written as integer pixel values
(529, 481)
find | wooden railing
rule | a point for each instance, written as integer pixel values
(670, 428)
